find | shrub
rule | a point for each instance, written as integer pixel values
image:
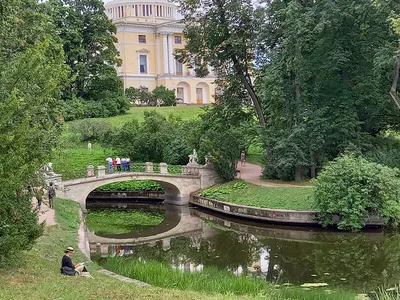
(73, 109)
(387, 157)
(91, 130)
(353, 188)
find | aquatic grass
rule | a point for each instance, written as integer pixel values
(106, 222)
(210, 279)
(244, 193)
(213, 280)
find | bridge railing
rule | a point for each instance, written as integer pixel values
(148, 167)
(161, 168)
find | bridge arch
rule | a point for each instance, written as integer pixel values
(177, 188)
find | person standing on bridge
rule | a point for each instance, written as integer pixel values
(118, 160)
(109, 161)
(128, 164)
(123, 163)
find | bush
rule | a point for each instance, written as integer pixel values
(91, 130)
(353, 188)
(73, 109)
(19, 226)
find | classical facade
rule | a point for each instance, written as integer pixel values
(148, 32)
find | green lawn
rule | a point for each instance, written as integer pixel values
(185, 112)
(37, 275)
(244, 193)
(72, 162)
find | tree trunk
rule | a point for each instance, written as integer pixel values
(250, 89)
(393, 89)
(313, 164)
(297, 102)
(256, 101)
(298, 172)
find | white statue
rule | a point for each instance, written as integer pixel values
(193, 157)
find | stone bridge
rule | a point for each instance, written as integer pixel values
(177, 188)
(177, 222)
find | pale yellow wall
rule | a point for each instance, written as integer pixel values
(128, 45)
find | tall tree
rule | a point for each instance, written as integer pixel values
(393, 90)
(323, 86)
(89, 45)
(221, 34)
(31, 72)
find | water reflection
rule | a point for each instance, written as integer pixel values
(360, 261)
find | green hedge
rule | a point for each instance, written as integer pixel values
(134, 185)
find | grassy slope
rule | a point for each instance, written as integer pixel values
(38, 276)
(296, 198)
(185, 112)
(72, 162)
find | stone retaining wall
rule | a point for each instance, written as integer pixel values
(265, 214)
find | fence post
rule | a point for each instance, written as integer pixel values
(163, 168)
(149, 167)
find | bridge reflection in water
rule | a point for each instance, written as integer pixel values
(192, 239)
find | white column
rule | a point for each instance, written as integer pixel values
(157, 53)
(165, 52)
(170, 55)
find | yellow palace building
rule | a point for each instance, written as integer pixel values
(148, 33)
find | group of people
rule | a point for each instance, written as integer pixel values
(118, 164)
(39, 193)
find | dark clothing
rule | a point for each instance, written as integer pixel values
(67, 262)
(52, 192)
(67, 267)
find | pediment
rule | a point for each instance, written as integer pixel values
(143, 50)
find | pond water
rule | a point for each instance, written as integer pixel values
(190, 239)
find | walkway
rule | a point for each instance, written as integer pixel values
(251, 173)
(46, 213)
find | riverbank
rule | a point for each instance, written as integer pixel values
(213, 280)
(274, 197)
(36, 274)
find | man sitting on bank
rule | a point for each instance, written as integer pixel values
(67, 267)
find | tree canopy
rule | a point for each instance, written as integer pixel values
(31, 71)
(323, 72)
(87, 35)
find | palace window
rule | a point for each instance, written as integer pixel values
(143, 63)
(142, 39)
(178, 39)
(179, 68)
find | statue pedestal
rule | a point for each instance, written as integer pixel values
(53, 177)
(191, 169)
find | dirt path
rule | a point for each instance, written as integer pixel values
(252, 173)
(45, 213)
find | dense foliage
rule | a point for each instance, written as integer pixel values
(31, 72)
(323, 72)
(134, 185)
(325, 84)
(158, 139)
(160, 96)
(87, 35)
(350, 189)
